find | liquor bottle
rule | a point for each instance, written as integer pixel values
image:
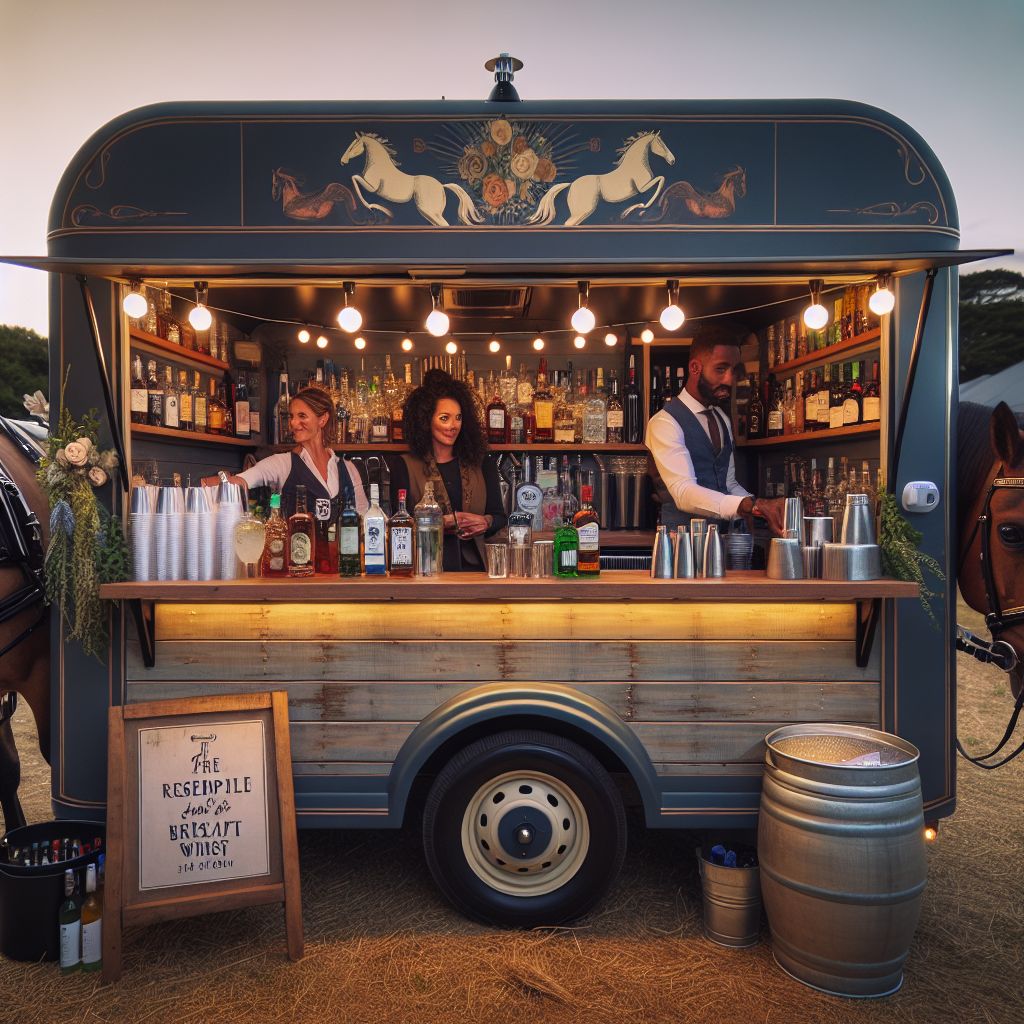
(92, 924)
(401, 539)
(789, 408)
(800, 403)
(186, 405)
(756, 423)
(823, 399)
(524, 388)
(240, 407)
(666, 387)
(429, 534)
(543, 406)
(632, 414)
(871, 409)
(200, 406)
(832, 496)
(172, 402)
(325, 528)
(281, 432)
(380, 418)
(301, 537)
(852, 398)
(155, 396)
(139, 393)
(654, 398)
(168, 326)
(614, 416)
(69, 921)
(565, 550)
(835, 329)
(810, 400)
(398, 409)
(588, 560)
(773, 402)
(497, 420)
(835, 398)
(375, 536)
(254, 387)
(349, 528)
(215, 411)
(596, 416)
(565, 419)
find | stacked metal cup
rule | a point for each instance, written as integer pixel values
(698, 533)
(229, 512)
(818, 532)
(198, 535)
(858, 527)
(739, 546)
(141, 529)
(662, 555)
(683, 568)
(714, 557)
(169, 534)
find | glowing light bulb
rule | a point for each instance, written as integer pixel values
(321, 341)
(816, 316)
(303, 337)
(437, 323)
(882, 301)
(494, 345)
(407, 344)
(930, 834)
(360, 343)
(583, 320)
(134, 303)
(672, 317)
(200, 317)
(611, 339)
(451, 348)
(579, 341)
(647, 335)
(538, 344)
(350, 319)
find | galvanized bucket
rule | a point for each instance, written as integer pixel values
(841, 851)
(732, 903)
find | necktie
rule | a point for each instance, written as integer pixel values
(715, 430)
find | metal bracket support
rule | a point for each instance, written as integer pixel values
(145, 626)
(868, 614)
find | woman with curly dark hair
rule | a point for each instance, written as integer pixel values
(448, 448)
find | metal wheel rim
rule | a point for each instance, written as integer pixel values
(523, 794)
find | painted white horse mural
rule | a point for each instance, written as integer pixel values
(381, 177)
(631, 177)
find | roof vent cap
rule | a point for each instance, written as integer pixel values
(504, 67)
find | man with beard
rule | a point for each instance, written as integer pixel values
(691, 443)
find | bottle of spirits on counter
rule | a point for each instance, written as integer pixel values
(172, 402)
(543, 406)
(375, 536)
(69, 921)
(326, 532)
(301, 537)
(92, 924)
(633, 426)
(140, 393)
(349, 529)
(429, 534)
(588, 560)
(401, 539)
(155, 396)
(871, 409)
(565, 550)
(275, 545)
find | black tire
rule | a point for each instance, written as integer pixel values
(564, 819)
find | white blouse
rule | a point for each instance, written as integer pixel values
(274, 470)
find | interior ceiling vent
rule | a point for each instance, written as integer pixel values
(494, 302)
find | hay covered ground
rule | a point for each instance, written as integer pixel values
(382, 946)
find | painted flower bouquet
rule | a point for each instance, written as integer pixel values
(87, 545)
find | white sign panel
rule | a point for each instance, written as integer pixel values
(202, 804)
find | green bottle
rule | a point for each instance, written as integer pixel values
(349, 532)
(565, 551)
(69, 920)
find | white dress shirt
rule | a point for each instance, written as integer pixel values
(667, 445)
(274, 470)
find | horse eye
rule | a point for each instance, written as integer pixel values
(1012, 535)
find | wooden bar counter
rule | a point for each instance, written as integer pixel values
(673, 683)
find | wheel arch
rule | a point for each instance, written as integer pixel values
(495, 707)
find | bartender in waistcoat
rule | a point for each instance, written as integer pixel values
(691, 442)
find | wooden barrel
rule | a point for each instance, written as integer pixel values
(841, 851)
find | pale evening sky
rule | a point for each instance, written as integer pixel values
(951, 69)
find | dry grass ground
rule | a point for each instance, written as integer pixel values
(382, 946)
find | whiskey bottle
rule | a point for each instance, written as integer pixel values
(301, 537)
(380, 418)
(836, 396)
(614, 414)
(69, 921)
(756, 424)
(853, 398)
(497, 420)
(240, 407)
(215, 410)
(774, 404)
(274, 562)
(92, 924)
(823, 399)
(139, 393)
(810, 400)
(565, 420)
(186, 403)
(349, 524)
(375, 536)
(632, 414)
(543, 406)
(565, 550)
(588, 559)
(800, 404)
(200, 406)
(172, 402)
(155, 396)
(401, 539)
(871, 408)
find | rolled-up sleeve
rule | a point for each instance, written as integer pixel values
(269, 472)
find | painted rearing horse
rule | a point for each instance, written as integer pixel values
(995, 583)
(24, 635)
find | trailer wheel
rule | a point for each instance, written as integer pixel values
(523, 829)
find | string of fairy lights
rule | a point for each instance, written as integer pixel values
(437, 324)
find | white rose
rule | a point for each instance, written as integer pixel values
(524, 163)
(76, 453)
(61, 457)
(97, 477)
(84, 442)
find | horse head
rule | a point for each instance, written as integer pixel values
(356, 146)
(738, 178)
(659, 148)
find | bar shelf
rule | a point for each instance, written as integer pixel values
(156, 345)
(820, 357)
(813, 436)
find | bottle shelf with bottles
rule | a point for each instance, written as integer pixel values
(188, 436)
(153, 344)
(814, 436)
(822, 483)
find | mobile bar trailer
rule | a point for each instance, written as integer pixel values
(572, 695)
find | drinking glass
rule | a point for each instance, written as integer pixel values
(250, 535)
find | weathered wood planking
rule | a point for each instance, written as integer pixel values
(505, 661)
(527, 620)
(310, 701)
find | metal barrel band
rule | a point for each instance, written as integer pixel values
(880, 899)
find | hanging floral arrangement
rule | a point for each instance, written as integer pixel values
(87, 545)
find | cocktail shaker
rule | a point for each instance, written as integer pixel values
(698, 532)
(662, 555)
(794, 517)
(714, 558)
(858, 526)
(683, 568)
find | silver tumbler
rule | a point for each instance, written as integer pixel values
(698, 531)
(714, 557)
(683, 568)
(661, 555)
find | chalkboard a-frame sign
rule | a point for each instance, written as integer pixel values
(200, 814)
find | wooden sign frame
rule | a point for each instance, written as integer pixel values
(125, 902)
